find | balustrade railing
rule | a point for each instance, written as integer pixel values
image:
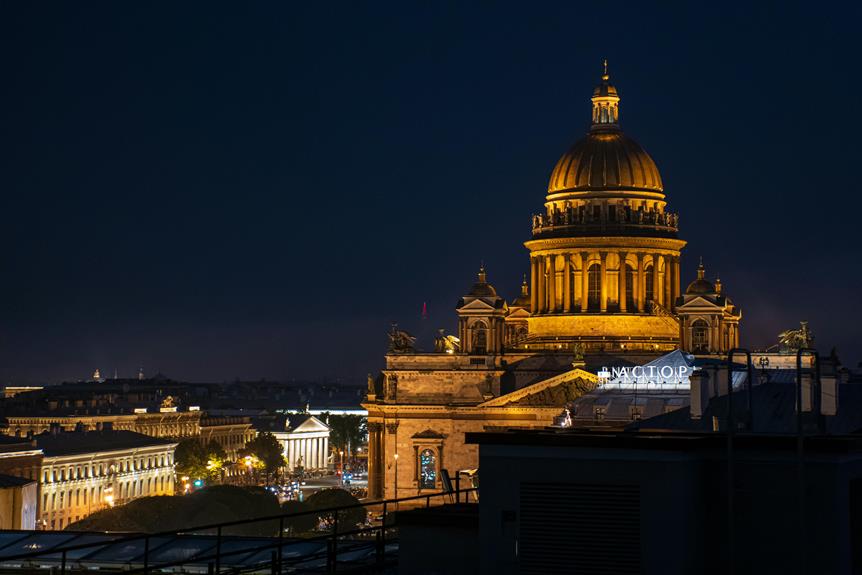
(576, 221)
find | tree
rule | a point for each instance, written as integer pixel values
(347, 432)
(348, 518)
(300, 523)
(190, 458)
(216, 459)
(268, 451)
(199, 462)
(218, 504)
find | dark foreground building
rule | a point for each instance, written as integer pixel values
(585, 502)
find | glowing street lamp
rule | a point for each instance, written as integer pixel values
(109, 496)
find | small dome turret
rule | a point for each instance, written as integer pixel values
(701, 285)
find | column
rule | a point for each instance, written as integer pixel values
(585, 282)
(675, 280)
(640, 276)
(312, 443)
(534, 300)
(656, 294)
(622, 282)
(567, 283)
(374, 469)
(668, 281)
(604, 280)
(288, 448)
(540, 270)
(552, 284)
(326, 451)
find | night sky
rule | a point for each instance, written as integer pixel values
(259, 190)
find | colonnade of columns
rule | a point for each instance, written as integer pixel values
(661, 269)
(313, 451)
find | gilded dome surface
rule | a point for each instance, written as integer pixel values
(605, 160)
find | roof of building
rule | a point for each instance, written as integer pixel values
(700, 285)
(12, 481)
(773, 409)
(282, 421)
(73, 442)
(664, 441)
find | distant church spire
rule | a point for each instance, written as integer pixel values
(483, 277)
(525, 287)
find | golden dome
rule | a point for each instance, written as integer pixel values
(605, 160)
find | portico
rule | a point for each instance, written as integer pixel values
(305, 441)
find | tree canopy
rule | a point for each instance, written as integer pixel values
(198, 461)
(216, 504)
(267, 449)
(348, 431)
(326, 498)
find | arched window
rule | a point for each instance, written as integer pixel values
(427, 469)
(649, 280)
(595, 287)
(480, 338)
(630, 288)
(699, 336)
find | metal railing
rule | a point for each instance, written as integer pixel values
(814, 395)
(319, 553)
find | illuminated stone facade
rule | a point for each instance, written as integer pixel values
(604, 288)
(231, 433)
(83, 472)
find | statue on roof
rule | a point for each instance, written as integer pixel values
(793, 340)
(578, 351)
(400, 341)
(446, 343)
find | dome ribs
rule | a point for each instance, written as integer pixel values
(605, 161)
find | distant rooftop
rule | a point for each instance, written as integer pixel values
(72, 442)
(12, 481)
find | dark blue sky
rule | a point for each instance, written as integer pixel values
(258, 190)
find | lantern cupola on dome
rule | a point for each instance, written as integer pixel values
(606, 104)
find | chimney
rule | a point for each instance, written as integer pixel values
(699, 393)
(807, 394)
(720, 384)
(829, 395)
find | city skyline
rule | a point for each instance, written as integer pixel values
(263, 195)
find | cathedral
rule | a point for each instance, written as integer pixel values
(604, 289)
